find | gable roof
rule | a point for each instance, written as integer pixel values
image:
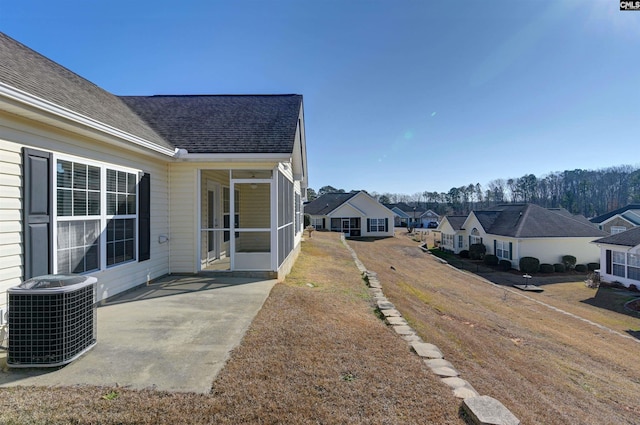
(328, 202)
(32, 74)
(200, 124)
(604, 217)
(456, 221)
(223, 123)
(533, 221)
(629, 238)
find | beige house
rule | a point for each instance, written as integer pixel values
(128, 189)
(513, 231)
(620, 220)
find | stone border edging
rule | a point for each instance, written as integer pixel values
(483, 410)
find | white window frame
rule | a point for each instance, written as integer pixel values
(502, 249)
(317, 223)
(617, 229)
(103, 218)
(620, 262)
(633, 266)
(376, 225)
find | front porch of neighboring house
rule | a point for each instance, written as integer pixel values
(247, 221)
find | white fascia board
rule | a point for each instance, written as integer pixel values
(59, 111)
(236, 157)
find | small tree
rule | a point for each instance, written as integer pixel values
(569, 261)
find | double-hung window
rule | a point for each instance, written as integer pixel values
(633, 266)
(96, 215)
(502, 249)
(619, 263)
(376, 225)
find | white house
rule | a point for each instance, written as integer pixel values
(620, 257)
(451, 236)
(355, 214)
(128, 189)
(513, 231)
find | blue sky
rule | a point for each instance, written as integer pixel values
(400, 96)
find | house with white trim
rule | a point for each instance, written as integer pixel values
(129, 189)
(452, 237)
(356, 214)
(620, 257)
(619, 220)
(513, 231)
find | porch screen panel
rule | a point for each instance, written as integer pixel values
(254, 218)
(286, 210)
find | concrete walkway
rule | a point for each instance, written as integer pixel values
(173, 335)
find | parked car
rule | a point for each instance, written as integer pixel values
(432, 225)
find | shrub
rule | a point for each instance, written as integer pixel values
(593, 266)
(477, 251)
(569, 261)
(505, 265)
(633, 287)
(307, 220)
(464, 253)
(581, 268)
(491, 260)
(559, 268)
(546, 268)
(529, 264)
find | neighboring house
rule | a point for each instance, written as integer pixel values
(354, 214)
(128, 189)
(619, 220)
(513, 231)
(451, 236)
(406, 215)
(620, 257)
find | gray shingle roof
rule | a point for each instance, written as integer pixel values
(629, 238)
(223, 123)
(29, 71)
(533, 221)
(328, 202)
(200, 124)
(456, 221)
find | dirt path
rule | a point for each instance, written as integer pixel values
(546, 366)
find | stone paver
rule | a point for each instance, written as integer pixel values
(485, 410)
(444, 371)
(461, 388)
(403, 330)
(438, 363)
(424, 349)
(396, 320)
(385, 305)
(391, 313)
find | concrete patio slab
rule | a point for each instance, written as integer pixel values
(175, 335)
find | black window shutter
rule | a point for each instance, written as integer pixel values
(469, 241)
(324, 223)
(608, 259)
(510, 250)
(368, 225)
(386, 224)
(37, 213)
(495, 246)
(144, 217)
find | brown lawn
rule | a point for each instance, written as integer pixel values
(316, 353)
(546, 366)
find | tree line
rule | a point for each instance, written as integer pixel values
(587, 192)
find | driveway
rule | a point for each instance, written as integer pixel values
(173, 335)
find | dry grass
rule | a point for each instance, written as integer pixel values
(314, 354)
(545, 366)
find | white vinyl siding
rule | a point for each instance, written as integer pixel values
(10, 219)
(14, 136)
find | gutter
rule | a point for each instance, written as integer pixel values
(28, 99)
